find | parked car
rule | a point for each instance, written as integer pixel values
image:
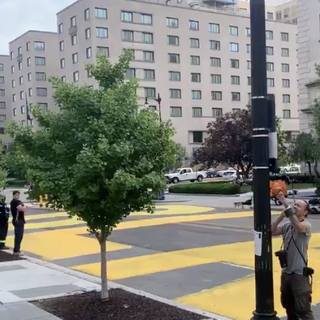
(291, 169)
(212, 174)
(185, 174)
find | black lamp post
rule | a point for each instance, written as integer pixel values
(158, 100)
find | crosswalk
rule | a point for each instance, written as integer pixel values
(207, 277)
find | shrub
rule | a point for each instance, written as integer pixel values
(301, 178)
(206, 188)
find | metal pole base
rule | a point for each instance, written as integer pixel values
(263, 316)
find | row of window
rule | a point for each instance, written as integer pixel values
(39, 76)
(147, 19)
(38, 61)
(216, 112)
(40, 92)
(23, 108)
(197, 95)
(37, 45)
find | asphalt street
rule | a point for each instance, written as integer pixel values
(197, 250)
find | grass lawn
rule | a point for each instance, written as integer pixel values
(295, 186)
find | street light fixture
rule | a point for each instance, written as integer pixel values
(146, 104)
(158, 100)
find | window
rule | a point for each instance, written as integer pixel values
(30, 92)
(249, 81)
(248, 64)
(195, 77)
(87, 14)
(284, 52)
(173, 58)
(74, 40)
(88, 52)
(43, 105)
(174, 76)
(148, 56)
(149, 74)
(13, 83)
(269, 34)
(286, 114)
(39, 45)
(40, 61)
(2, 92)
(215, 62)
(197, 136)
(248, 32)
(61, 45)
(195, 60)
(214, 45)
(101, 32)
(172, 23)
(76, 76)
(278, 15)
(12, 55)
(173, 40)
(233, 31)
(12, 69)
(20, 80)
(269, 51)
(193, 25)
(63, 79)
(175, 112)
(270, 82)
(216, 78)
(286, 83)
(29, 62)
(131, 73)
(235, 64)
(14, 97)
(235, 110)
(214, 27)
(20, 65)
(146, 19)
(28, 46)
(150, 92)
(270, 66)
(194, 43)
(174, 93)
(234, 47)
(60, 28)
(248, 46)
(147, 37)
(235, 96)
(127, 35)
(103, 51)
(41, 76)
(29, 76)
(285, 67)
(2, 105)
(3, 117)
(126, 16)
(19, 50)
(101, 13)
(1, 67)
(270, 15)
(21, 95)
(88, 33)
(216, 112)
(75, 58)
(196, 95)
(14, 111)
(197, 112)
(284, 36)
(216, 95)
(62, 63)
(73, 21)
(235, 80)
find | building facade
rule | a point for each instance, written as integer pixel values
(308, 56)
(33, 58)
(197, 58)
(5, 94)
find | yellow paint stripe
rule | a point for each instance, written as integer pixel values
(175, 209)
(46, 215)
(54, 224)
(58, 244)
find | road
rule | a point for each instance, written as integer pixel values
(190, 250)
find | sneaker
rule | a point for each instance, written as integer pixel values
(17, 253)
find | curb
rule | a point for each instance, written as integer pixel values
(207, 195)
(113, 285)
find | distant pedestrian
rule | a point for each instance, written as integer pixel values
(4, 217)
(18, 220)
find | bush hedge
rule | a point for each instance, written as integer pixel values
(301, 178)
(206, 188)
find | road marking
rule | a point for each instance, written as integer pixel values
(175, 209)
(58, 214)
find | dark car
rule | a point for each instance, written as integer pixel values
(212, 174)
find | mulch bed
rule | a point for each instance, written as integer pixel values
(6, 257)
(122, 305)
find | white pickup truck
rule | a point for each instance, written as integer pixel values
(185, 174)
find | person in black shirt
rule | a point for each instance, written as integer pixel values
(4, 217)
(17, 210)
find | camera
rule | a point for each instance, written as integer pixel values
(282, 256)
(308, 271)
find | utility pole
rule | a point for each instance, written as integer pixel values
(260, 148)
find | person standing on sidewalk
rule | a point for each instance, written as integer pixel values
(296, 277)
(17, 210)
(4, 217)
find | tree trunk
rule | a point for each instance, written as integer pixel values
(103, 254)
(309, 168)
(316, 169)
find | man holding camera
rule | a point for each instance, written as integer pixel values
(296, 278)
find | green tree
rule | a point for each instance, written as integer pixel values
(283, 151)
(98, 156)
(180, 156)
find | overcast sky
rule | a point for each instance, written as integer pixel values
(19, 16)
